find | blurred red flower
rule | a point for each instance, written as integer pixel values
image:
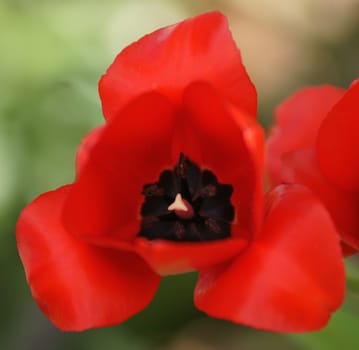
(315, 142)
(173, 183)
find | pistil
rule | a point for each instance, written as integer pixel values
(181, 208)
(186, 204)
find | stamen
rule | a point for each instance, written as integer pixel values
(181, 207)
(186, 204)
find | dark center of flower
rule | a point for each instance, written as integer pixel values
(186, 204)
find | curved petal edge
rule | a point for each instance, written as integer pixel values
(290, 280)
(171, 58)
(78, 286)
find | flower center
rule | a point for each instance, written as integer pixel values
(186, 204)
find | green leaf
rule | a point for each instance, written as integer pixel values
(352, 270)
(341, 333)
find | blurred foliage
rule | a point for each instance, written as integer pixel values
(52, 55)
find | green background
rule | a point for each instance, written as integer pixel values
(52, 55)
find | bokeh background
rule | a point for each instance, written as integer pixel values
(52, 54)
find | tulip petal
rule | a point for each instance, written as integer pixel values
(297, 122)
(343, 206)
(200, 48)
(226, 141)
(131, 151)
(84, 150)
(78, 286)
(168, 258)
(288, 281)
(171, 258)
(337, 144)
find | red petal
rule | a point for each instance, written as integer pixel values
(200, 48)
(290, 280)
(223, 139)
(172, 258)
(86, 146)
(78, 286)
(297, 122)
(132, 150)
(338, 141)
(301, 167)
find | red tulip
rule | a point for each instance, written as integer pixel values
(173, 183)
(315, 142)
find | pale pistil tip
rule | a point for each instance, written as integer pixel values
(178, 204)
